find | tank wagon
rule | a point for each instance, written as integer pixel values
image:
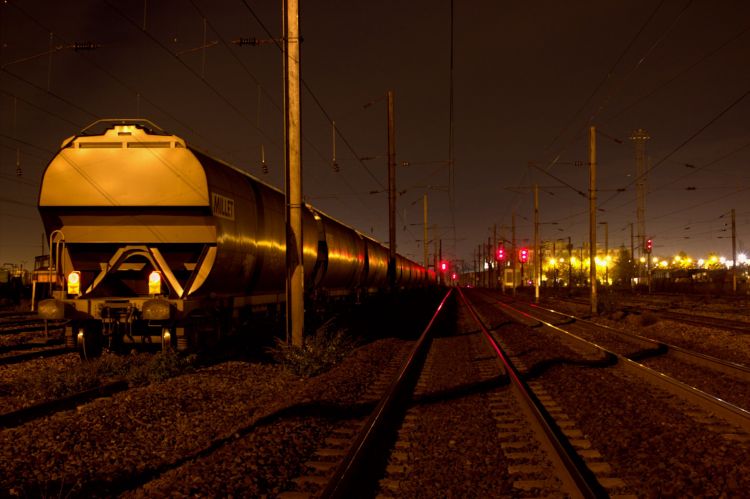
(153, 241)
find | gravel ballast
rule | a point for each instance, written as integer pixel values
(133, 436)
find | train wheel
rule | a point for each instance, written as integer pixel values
(88, 340)
(167, 339)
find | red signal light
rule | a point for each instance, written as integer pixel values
(501, 253)
(454, 276)
(523, 255)
(649, 245)
(443, 266)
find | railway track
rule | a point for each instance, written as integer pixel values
(194, 432)
(27, 322)
(49, 407)
(727, 380)
(23, 336)
(462, 429)
(29, 351)
(741, 327)
(696, 319)
(660, 435)
(460, 407)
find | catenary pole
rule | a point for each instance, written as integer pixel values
(424, 233)
(495, 263)
(734, 256)
(537, 256)
(391, 191)
(513, 249)
(592, 216)
(295, 272)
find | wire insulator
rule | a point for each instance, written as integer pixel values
(247, 41)
(77, 46)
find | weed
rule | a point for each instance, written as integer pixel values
(159, 367)
(321, 351)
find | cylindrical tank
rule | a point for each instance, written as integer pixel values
(345, 255)
(377, 264)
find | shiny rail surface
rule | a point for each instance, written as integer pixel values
(578, 475)
(356, 467)
(732, 368)
(727, 411)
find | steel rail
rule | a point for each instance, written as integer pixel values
(732, 368)
(39, 354)
(738, 326)
(353, 471)
(579, 478)
(725, 410)
(29, 346)
(42, 409)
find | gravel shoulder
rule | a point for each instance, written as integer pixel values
(137, 434)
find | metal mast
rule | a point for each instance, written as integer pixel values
(639, 137)
(391, 190)
(295, 273)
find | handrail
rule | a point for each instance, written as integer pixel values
(54, 261)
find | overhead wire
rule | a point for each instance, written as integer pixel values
(606, 77)
(695, 170)
(270, 98)
(51, 93)
(683, 143)
(451, 132)
(612, 92)
(105, 71)
(687, 141)
(39, 108)
(211, 87)
(315, 98)
(680, 73)
(321, 107)
(127, 86)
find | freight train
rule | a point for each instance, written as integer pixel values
(153, 241)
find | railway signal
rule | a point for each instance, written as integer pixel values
(501, 254)
(443, 266)
(523, 255)
(649, 245)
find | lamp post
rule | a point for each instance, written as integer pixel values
(570, 265)
(606, 252)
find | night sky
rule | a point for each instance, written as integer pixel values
(529, 78)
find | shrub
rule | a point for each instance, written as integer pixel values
(159, 367)
(321, 351)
